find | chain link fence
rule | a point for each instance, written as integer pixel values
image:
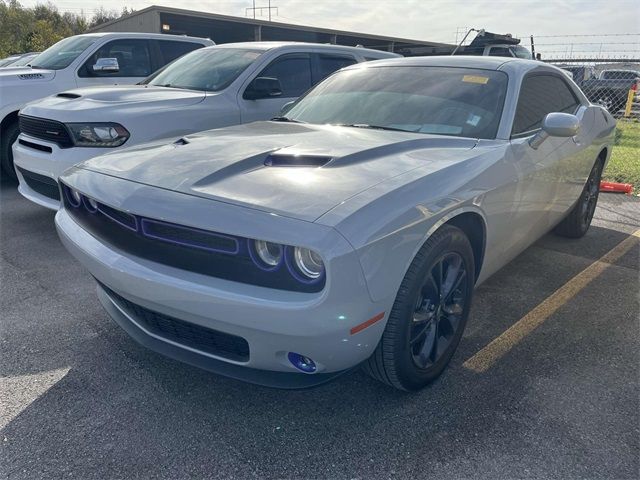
(613, 85)
(606, 67)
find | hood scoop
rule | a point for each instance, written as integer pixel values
(301, 160)
(67, 95)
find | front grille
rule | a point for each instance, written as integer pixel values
(41, 184)
(45, 129)
(189, 334)
(179, 246)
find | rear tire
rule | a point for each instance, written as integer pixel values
(9, 136)
(429, 315)
(576, 224)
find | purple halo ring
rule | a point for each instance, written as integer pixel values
(259, 262)
(293, 269)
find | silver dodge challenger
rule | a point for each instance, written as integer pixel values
(349, 231)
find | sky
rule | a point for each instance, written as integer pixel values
(435, 20)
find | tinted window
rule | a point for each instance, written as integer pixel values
(448, 101)
(327, 64)
(171, 50)
(210, 69)
(61, 54)
(294, 73)
(499, 52)
(133, 58)
(539, 95)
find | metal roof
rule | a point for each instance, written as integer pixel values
(252, 21)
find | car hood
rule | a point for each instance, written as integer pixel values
(296, 170)
(95, 102)
(24, 76)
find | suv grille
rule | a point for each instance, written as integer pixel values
(189, 334)
(40, 184)
(44, 129)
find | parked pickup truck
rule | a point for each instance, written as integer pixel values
(209, 88)
(83, 61)
(611, 88)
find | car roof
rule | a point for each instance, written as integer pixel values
(273, 45)
(469, 61)
(157, 36)
(510, 65)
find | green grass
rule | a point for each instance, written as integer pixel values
(624, 165)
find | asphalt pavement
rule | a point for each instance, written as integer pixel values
(80, 399)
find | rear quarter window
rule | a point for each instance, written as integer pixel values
(170, 50)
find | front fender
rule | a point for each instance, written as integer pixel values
(386, 259)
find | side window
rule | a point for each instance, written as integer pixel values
(133, 58)
(499, 52)
(539, 95)
(329, 63)
(170, 50)
(294, 73)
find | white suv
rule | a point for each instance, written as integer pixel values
(206, 89)
(83, 61)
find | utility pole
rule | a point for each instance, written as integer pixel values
(269, 8)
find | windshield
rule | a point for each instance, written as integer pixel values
(521, 52)
(23, 61)
(210, 70)
(441, 100)
(6, 61)
(61, 54)
(619, 75)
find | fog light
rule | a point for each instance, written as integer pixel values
(302, 363)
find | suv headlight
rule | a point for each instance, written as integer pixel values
(98, 134)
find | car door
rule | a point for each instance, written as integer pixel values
(293, 71)
(543, 174)
(133, 62)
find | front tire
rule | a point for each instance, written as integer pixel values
(576, 224)
(9, 136)
(429, 314)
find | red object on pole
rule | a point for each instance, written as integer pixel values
(616, 187)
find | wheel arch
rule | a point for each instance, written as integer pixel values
(474, 227)
(8, 119)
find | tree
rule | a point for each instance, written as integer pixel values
(103, 15)
(25, 29)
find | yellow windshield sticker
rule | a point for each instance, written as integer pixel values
(475, 79)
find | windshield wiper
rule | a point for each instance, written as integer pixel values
(286, 119)
(374, 127)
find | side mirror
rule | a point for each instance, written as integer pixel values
(286, 107)
(106, 65)
(263, 87)
(556, 124)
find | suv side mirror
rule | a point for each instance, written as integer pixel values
(556, 124)
(106, 65)
(263, 87)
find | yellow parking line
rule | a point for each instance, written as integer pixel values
(485, 358)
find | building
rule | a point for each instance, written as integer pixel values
(227, 29)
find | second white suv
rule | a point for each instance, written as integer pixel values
(209, 88)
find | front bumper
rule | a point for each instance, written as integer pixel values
(46, 160)
(273, 322)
